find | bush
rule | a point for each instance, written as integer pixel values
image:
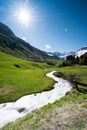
(66, 63)
(51, 63)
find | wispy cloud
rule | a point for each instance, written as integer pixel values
(47, 46)
(24, 38)
(34, 42)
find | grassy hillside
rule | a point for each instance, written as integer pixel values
(11, 44)
(68, 113)
(20, 77)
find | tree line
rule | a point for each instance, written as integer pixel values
(72, 60)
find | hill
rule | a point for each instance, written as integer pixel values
(11, 44)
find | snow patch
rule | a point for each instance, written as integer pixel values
(80, 52)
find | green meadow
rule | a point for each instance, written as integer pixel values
(20, 77)
(79, 71)
(67, 113)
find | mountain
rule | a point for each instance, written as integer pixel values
(11, 44)
(78, 53)
(56, 54)
(81, 52)
(59, 54)
(6, 30)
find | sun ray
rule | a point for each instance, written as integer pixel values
(22, 14)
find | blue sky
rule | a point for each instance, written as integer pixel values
(57, 25)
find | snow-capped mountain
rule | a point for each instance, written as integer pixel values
(60, 55)
(67, 54)
(57, 54)
(81, 51)
(78, 53)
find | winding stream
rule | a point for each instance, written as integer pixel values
(11, 111)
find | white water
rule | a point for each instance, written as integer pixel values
(9, 111)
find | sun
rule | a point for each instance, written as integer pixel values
(24, 16)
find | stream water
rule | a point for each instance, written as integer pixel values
(11, 111)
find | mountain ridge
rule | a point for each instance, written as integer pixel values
(11, 44)
(4, 29)
(77, 53)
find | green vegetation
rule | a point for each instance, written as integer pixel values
(79, 71)
(68, 113)
(15, 46)
(20, 77)
(71, 60)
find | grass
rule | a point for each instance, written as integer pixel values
(68, 113)
(24, 78)
(79, 71)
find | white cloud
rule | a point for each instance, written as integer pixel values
(66, 29)
(24, 38)
(34, 42)
(47, 46)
